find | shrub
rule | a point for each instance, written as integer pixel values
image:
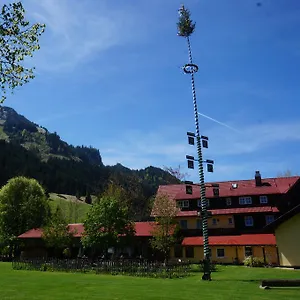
(251, 261)
(67, 252)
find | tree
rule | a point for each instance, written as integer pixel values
(23, 206)
(176, 172)
(185, 25)
(88, 198)
(56, 234)
(287, 173)
(106, 225)
(164, 210)
(115, 191)
(18, 40)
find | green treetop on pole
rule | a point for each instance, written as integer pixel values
(185, 25)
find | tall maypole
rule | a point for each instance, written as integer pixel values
(185, 29)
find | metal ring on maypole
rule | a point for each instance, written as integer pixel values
(190, 68)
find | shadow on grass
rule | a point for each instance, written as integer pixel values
(239, 280)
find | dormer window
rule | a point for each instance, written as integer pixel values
(245, 200)
(263, 199)
(183, 203)
(234, 185)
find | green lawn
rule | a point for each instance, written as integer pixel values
(75, 211)
(228, 283)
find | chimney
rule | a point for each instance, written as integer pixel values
(258, 179)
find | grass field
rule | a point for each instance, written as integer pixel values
(228, 283)
(74, 210)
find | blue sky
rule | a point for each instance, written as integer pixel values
(109, 75)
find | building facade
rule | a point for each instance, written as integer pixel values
(286, 230)
(239, 209)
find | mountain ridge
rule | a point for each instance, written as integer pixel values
(31, 150)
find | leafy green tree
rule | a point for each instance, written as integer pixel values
(164, 210)
(23, 206)
(56, 234)
(18, 40)
(106, 225)
(88, 198)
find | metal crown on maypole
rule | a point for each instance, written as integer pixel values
(185, 28)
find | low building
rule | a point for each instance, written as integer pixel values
(34, 246)
(287, 235)
(229, 249)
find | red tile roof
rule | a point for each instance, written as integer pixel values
(77, 229)
(245, 188)
(237, 240)
(229, 211)
(32, 234)
(141, 228)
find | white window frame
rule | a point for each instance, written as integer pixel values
(263, 199)
(199, 202)
(247, 224)
(230, 218)
(217, 252)
(228, 201)
(183, 203)
(245, 200)
(268, 221)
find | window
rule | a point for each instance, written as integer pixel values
(178, 251)
(189, 252)
(183, 203)
(248, 251)
(270, 219)
(228, 201)
(183, 224)
(220, 252)
(199, 224)
(230, 221)
(263, 199)
(214, 221)
(249, 221)
(245, 200)
(199, 202)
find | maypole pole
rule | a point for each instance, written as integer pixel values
(185, 28)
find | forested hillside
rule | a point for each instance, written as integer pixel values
(30, 150)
